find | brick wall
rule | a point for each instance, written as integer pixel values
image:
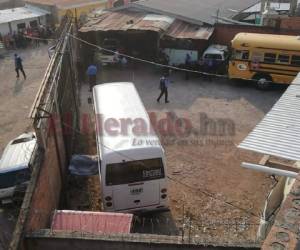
(44, 192)
(292, 23)
(285, 232)
(49, 184)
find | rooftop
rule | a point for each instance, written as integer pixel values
(27, 12)
(278, 134)
(204, 11)
(123, 20)
(65, 3)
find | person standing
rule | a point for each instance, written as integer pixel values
(19, 66)
(92, 75)
(188, 63)
(164, 85)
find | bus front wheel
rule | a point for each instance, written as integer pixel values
(263, 81)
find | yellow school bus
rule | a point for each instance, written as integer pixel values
(265, 58)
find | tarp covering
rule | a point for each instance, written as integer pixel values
(84, 165)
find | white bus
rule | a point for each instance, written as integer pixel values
(132, 161)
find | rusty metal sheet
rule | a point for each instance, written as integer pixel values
(128, 20)
(92, 222)
(112, 21)
(183, 30)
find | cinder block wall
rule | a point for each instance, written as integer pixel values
(46, 195)
(47, 240)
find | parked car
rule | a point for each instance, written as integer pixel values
(216, 52)
(15, 165)
(108, 56)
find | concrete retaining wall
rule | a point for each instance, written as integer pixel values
(47, 240)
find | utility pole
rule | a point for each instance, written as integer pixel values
(262, 10)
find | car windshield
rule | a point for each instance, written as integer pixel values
(21, 140)
(14, 178)
(213, 56)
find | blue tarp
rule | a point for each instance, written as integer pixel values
(84, 165)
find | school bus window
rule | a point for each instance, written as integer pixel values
(241, 54)
(257, 56)
(283, 59)
(270, 58)
(295, 60)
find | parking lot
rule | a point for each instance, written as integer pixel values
(211, 196)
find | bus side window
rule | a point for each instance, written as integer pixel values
(270, 58)
(283, 59)
(295, 60)
(257, 56)
(241, 54)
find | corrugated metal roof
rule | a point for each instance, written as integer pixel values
(92, 222)
(183, 30)
(196, 11)
(279, 132)
(128, 20)
(65, 3)
(21, 13)
(136, 20)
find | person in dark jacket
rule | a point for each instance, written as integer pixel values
(92, 75)
(19, 66)
(163, 85)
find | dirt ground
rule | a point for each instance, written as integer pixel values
(211, 197)
(16, 98)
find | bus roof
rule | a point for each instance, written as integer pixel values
(122, 101)
(266, 41)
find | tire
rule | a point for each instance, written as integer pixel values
(263, 82)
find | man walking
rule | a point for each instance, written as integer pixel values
(19, 66)
(164, 84)
(92, 75)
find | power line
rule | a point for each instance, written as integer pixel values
(164, 65)
(147, 61)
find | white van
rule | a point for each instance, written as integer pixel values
(132, 164)
(217, 53)
(14, 164)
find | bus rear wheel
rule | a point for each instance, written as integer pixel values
(263, 82)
